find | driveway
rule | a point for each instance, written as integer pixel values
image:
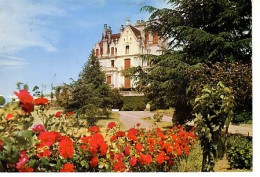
(131, 118)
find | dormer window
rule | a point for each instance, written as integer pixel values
(127, 49)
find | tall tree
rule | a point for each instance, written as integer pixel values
(205, 30)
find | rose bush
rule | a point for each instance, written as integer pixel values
(38, 148)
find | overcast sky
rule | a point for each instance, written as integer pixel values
(48, 41)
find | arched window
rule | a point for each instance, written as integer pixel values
(112, 51)
(127, 49)
(97, 52)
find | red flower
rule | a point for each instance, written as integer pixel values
(66, 147)
(85, 139)
(38, 128)
(111, 125)
(70, 113)
(161, 157)
(9, 116)
(133, 161)
(127, 150)
(132, 134)
(94, 129)
(94, 162)
(146, 159)
(67, 167)
(45, 153)
(47, 138)
(1, 145)
(26, 100)
(26, 169)
(41, 101)
(120, 134)
(119, 157)
(138, 147)
(119, 166)
(22, 161)
(113, 138)
(138, 124)
(58, 114)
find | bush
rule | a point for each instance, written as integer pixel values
(158, 117)
(239, 153)
(133, 103)
(244, 117)
(2, 100)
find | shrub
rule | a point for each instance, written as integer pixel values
(2, 100)
(239, 153)
(133, 103)
(158, 117)
(244, 117)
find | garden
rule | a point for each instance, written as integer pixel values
(205, 77)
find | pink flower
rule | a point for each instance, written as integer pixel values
(38, 128)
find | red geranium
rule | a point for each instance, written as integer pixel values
(146, 159)
(138, 124)
(26, 100)
(41, 101)
(9, 116)
(111, 125)
(138, 147)
(127, 150)
(47, 138)
(133, 161)
(70, 113)
(1, 145)
(94, 129)
(26, 169)
(38, 128)
(67, 167)
(119, 166)
(45, 153)
(58, 114)
(161, 157)
(94, 162)
(66, 147)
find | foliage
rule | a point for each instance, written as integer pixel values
(116, 99)
(244, 117)
(158, 117)
(2, 100)
(239, 153)
(133, 103)
(36, 91)
(191, 163)
(165, 84)
(89, 91)
(213, 111)
(205, 30)
(236, 75)
(40, 149)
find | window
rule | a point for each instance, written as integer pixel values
(112, 63)
(155, 39)
(127, 49)
(97, 52)
(116, 50)
(108, 79)
(127, 63)
(127, 82)
(112, 51)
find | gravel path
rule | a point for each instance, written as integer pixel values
(131, 118)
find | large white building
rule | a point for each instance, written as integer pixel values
(120, 51)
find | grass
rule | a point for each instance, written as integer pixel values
(167, 112)
(161, 124)
(114, 117)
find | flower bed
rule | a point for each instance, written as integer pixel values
(38, 149)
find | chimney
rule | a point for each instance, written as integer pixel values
(105, 26)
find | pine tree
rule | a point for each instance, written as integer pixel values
(205, 30)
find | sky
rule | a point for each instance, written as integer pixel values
(47, 42)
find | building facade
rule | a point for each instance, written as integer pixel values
(123, 50)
